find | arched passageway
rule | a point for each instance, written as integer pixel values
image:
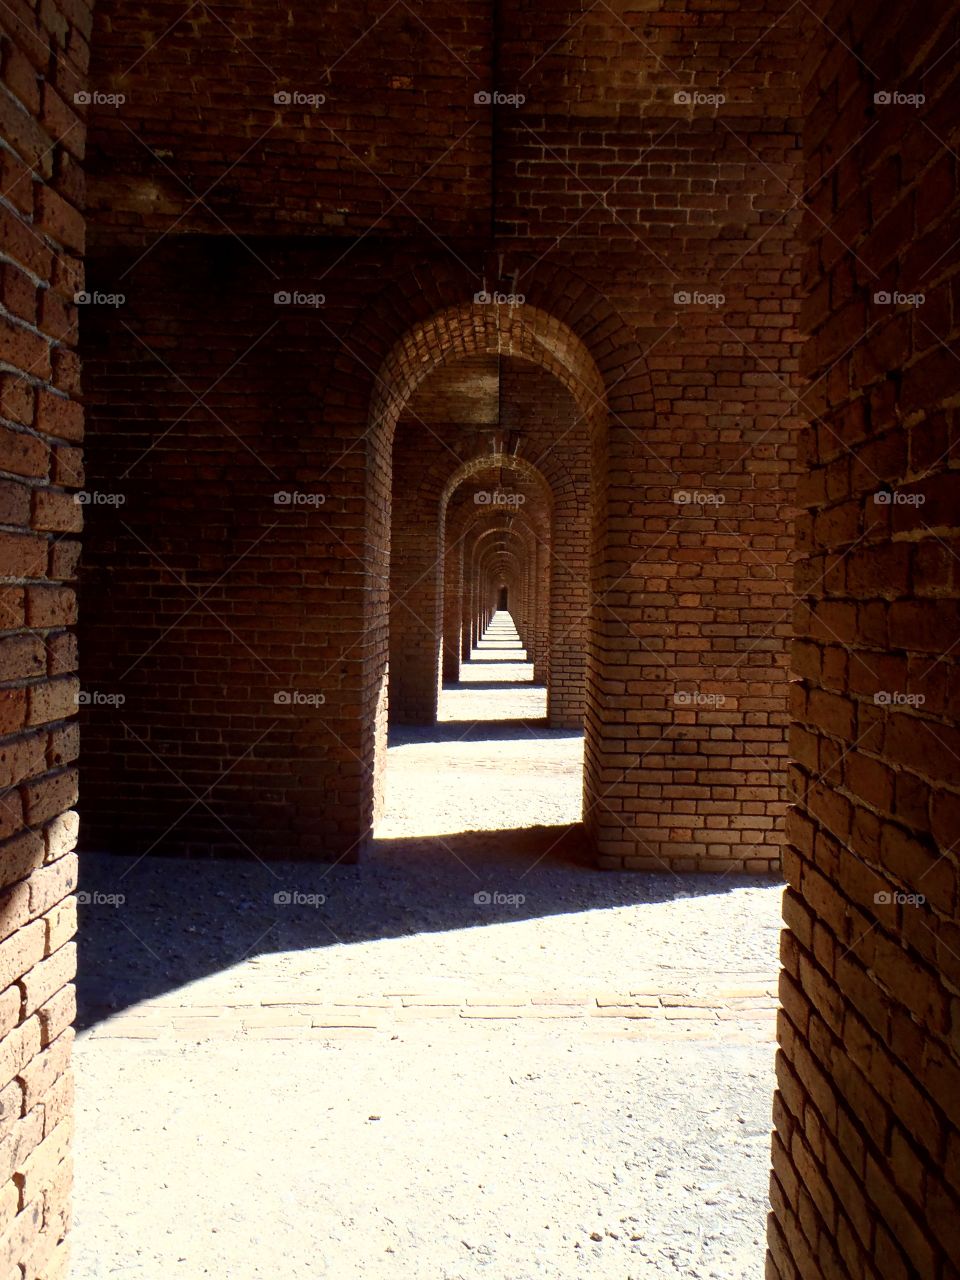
(540, 520)
(279, 238)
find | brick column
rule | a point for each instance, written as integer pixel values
(866, 1176)
(41, 427)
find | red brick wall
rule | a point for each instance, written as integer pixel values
(867, 1150)
(415, 572)
(43, 58)
(556, 438)
(652, 198)
(397, 145)
(231, 623)
(608, 200)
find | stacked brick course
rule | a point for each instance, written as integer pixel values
(299, 278)
(866, 1176)
(604, 199)
(43, 62)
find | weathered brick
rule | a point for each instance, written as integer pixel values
(39, 1076)
(45, 979)
(49, 885)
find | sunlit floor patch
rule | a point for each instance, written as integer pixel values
(490, 764)
(384, 1076)
(496, 683)
(472, 701)
(491, 779)
(474, 1057)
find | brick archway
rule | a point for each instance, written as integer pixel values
(422, 620)
(465, 329)
(518, 546)
(539, 523)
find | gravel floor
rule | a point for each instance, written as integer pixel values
(447, 1148)
(502, 1154)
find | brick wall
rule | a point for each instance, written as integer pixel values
(555, 436)
(224, 576)
(866, 1178)
(43, 59)
(652, 198)
(396, 144)
(652, 232)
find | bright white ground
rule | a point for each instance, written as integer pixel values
(415, 1078)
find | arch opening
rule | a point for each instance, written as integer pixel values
(506, 500)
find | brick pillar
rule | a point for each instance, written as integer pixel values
(866, 1154)
(41, 427)
(540, 656)
(416, 571)
(452, 622)
(569, 609)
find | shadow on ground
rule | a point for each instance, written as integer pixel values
(152, 924)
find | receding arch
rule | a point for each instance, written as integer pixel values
(516, 532)
(466, 329)
(453, 533)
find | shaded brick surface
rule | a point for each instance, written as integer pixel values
(43, 63)
(602, 199)
(865, 1178)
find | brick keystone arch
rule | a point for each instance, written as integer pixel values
(471, 329)
(530, 604)
(494, 461)
(465, 329)
(565, 326)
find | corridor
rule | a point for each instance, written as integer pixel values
(490, 763)
(477, 1056)
(480, 611)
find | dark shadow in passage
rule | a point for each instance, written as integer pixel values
(181, 920)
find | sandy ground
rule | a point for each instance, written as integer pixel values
(473, 1057)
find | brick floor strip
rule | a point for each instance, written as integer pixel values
(736, 1014)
